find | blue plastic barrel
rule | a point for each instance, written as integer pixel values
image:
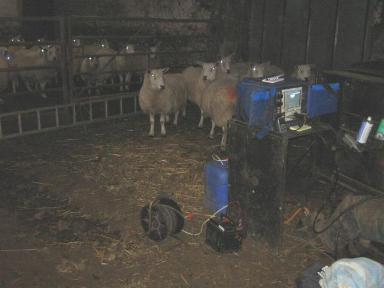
(216, 185)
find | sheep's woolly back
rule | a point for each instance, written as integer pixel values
(177, 91)
(219, 100)
(169, 100)
(195, 84)
(191, 76)
(32, 57)
(241, 70)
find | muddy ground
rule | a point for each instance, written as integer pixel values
(70, 203)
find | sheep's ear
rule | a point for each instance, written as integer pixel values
(165, 70)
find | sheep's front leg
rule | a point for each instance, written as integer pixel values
(162, 123)
(212, 132)
(167, 118)
(152, 122)
(201, 123)
(176, 117)
(225, 136)
(42, 88)
(28, 86)
(14, 85)
(127, 81)
(122, 81)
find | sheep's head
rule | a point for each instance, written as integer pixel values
(51, 52)
(44, 51)
(76, 42)
(209, 71)
(153, 51)
(303, 72)
(92, 62)
(129, 48)
(156, 78)
(16, 39)
(259, 70)
(103, 43)
(225, 64)
(5, 54)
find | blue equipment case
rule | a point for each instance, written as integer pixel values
(257, 107)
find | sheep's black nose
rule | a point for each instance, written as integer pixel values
(228, 71)
(204, 77)
(162, 87)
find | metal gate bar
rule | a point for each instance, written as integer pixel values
(75, 122)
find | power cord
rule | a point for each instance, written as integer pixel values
(342, 213)
(182, 215)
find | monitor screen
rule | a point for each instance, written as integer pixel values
(292, 100)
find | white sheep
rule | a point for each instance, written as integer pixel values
(88, 68)
(265, 69)
(219, 102)
(107, 65)
(162, 94)
(15, 44)
(79, 50)
(225, 63)
(123, 64)
(237, 70)
(303, 72)
(36, 56)
(97, 69)
(13, 48)
(197, 79)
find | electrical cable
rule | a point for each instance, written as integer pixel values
(205, 222)
(342, 213)
(202, 225)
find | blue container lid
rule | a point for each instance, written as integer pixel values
(216, 172)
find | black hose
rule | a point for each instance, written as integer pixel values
(346, 210)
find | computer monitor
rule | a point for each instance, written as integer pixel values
(292, 99)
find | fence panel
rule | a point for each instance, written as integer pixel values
(32, 66)
(178, 43)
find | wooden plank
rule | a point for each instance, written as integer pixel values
(351, 32)
(295, 33)
(321, 35)
(272, 33)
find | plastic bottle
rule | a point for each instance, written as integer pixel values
(380, 131)
(365, 130)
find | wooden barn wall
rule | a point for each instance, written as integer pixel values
(328, 33)
(273, 28)
(9, 8)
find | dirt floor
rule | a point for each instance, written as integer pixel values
(70, 203)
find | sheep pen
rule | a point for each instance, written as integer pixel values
(78, 168)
